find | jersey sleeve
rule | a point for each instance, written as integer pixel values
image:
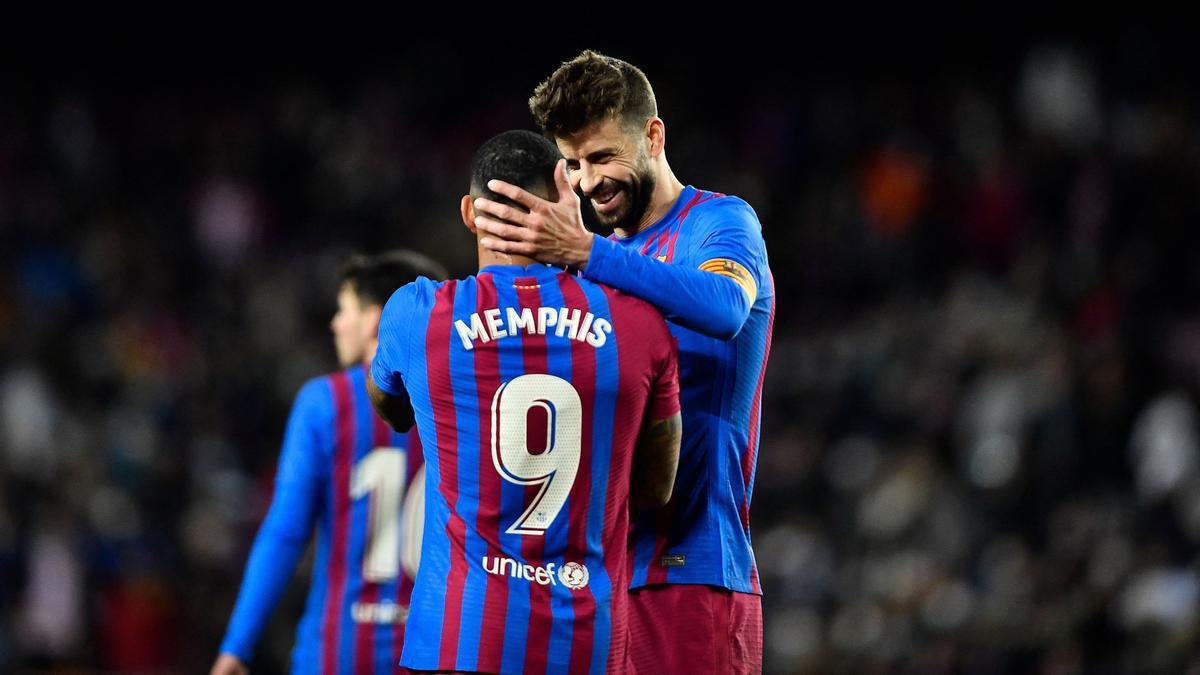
(391, 357)
(733, 245)
(714, 298)
(664, 394)
(284, 532)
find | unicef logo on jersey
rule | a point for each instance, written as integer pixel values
(573, 575)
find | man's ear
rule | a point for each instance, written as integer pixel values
(656, 136)
(467, 207)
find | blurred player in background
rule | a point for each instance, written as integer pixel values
(344, 471)
(539, 397)
(699, 257)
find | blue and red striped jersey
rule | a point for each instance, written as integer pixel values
(529, 387)
(703, 535)
(344, 472)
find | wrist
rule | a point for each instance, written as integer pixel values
(583, 252)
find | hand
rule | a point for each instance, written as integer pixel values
(552, 232)
(228, 664)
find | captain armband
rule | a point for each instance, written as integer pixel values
(734, 270)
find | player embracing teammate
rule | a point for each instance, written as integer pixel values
(700, 259)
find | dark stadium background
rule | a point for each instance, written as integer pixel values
(980, 448)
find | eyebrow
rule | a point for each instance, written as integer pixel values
(602, 152)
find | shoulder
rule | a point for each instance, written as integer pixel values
(634, 313)
(414, 294)
(716, 211)
(315, 398)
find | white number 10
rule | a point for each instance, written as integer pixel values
(381, 474)
(554, 468)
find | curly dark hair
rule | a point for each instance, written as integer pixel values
(590, 88)
(520, 157)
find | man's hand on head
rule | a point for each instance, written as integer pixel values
(551, 232)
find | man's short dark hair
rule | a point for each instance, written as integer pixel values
(591, 88)
(375, 277)
(520, 157)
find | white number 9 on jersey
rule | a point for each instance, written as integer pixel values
(554, 468)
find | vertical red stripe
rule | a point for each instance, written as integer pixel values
(661, 241)
(340, 500)
(655, 572)
(441, 395)
(632, 368)
(533, 548)
(671, 242)
(583, 377)
(487, 522)
(699, 198)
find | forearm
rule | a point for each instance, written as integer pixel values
(707, 303)
(653, 475)
(276, 551)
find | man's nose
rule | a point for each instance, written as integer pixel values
(586, 180)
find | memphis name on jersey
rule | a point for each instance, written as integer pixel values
(574, 323)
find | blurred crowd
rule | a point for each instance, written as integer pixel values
(980, 448)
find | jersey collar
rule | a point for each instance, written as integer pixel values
(537, 270)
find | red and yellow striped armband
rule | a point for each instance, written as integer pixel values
(734, 270)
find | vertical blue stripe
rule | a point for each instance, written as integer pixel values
(643, 548)
(603, 418)
(512, 499)
(466, 407)
(558, 363)
(423, 630)
(308, 634)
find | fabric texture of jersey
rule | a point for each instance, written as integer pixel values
(703, 536)
(690, 629)
(339, 465)
(515, 375)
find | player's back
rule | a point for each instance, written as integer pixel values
(529, 387)
(354, 616)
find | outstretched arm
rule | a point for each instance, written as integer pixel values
(284, 533)
(714, 299)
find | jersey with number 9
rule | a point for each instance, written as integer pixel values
(529, 387)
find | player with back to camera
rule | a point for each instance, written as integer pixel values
(344, 472)
(544, 403)
(700, 258)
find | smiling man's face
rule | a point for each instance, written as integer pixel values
(610, 166)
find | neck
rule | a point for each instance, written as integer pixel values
(369, 355)
(488, 257)
(667, 189)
